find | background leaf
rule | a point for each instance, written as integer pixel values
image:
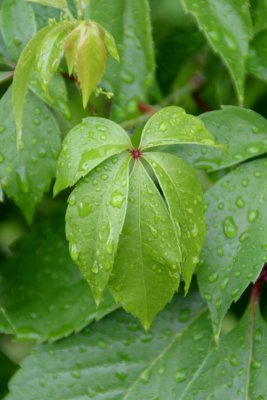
(51, 3)
(17, 24)
(7, 369)
(26, 174)
(94, 220)
(236, 248)
(228, 28)
(129, 23)
(257, 64)
(147, 264)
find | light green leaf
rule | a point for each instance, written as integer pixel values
(236, 246)
(114, 358)
(17, 24)
(111, 45)
(129, 23)
(147, 264)
(242, 131)
(52, 301)
(52, 3)
(23, 76)
(71, 46)
(57, 95)
(171, 125)
(257, 63)
(237, 369)
(228, 28)
(86, 146)
(184, 197)
(26, 174)
(95, 218)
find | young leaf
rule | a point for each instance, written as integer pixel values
(237, 369)
(184, 197)
(86, 146)
(17, 24)
(71, 46)
(114, 358)
(110, 44)
(52, 3)
(257, 64)
(26, 174)
(227, 26)
(171, 125)
(95, 218)
(129, 23)
(61, 301)
(22, 77)
(242, 131)
(147, 264)
(236, 247)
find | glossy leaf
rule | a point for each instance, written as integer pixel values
(86, 146)
(95, 218)
(115, 359)
(228, 28)
(52, 301)
(23, 76)
(51, 3)
(242, 131)
(71, 46)
(129, 23)
(257, 64)
(236, 248)
(147, 264)
(184, 197)
(171, 125)
(26, 174)
(17, 24)
(237, 369)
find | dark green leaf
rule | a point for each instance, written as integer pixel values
(257, 62)
(129, 23)
(17, 24)
(147, 264)
(86, 146)
(26, 174)
(7, 369)
(115, 359)
(228, 28)
(6, 75)
(95, 218)
(259, 13)
(53, 300)
(184, 197)
(236, 246)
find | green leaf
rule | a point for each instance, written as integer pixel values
(257, 64)
(7, 369)
(242, 131)
(114, 358)
(26, 174)
(147, 264)
(52, 301)
(111, 45)
(236, 247)
(86, 146)
(259, 14)
(129, 23)
(23, 76)
(95, 218)
(237, 369)
(56, 96)
(184, 197)
(52, 3)
(71, 46)
(5, 76)
(228, 28)
(17, 24)
(171, 125)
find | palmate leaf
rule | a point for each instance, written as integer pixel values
(114, 359)
(26, 174)
(227, 26)
(51, 301)
(156, 241)
(242, 131)
(236, 247)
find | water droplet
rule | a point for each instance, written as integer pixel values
(76, 373)
(72, 200)
(234, 361)
(245, 182)
(117, 199)
(213, 277)
(84, 209)
(252, 215)
(74, 252)
(101, 128)
(145, 377)
(256, 364)
(36, 121)
(220, 252)
(37, 111)
(95, 267)
(104, 177)
(163, 126)
(180, 375)
(153, 231)
(22, 179)
(240, 202)
(230, 228)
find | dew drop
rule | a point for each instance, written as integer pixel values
(230, 228)
(213, 277)
(252, 215)
(117, 199)
(84, 209)
(180, 375)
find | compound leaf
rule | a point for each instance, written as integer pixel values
(147, 264)
(86, 146)
(95, 218)
(183, 194)
(236, 247)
